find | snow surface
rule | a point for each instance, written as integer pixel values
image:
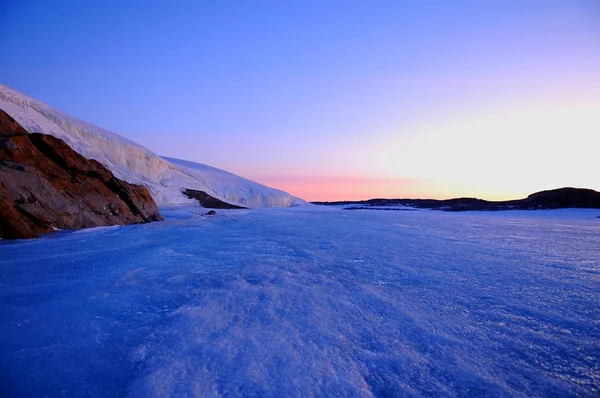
(307, 301)
(137, 164)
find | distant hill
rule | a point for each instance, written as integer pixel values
(560, 198)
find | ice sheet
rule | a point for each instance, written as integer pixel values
(307, 301)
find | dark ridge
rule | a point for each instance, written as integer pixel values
(208, 201)
(560, 198)
(566, 197)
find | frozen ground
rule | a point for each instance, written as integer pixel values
(307, 301)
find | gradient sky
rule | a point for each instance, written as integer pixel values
(330, 100)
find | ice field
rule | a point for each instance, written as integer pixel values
(307, 301)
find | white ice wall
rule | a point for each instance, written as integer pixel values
(136, 164)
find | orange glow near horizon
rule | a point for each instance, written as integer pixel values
(347, 188)
(332, 189)
(495, 154)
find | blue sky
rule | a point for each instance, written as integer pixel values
(330, 99)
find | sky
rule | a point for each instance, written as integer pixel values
(330, 100)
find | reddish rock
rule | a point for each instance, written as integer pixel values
(45, 185)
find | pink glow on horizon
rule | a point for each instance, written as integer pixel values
(350, 188)
(498, 153)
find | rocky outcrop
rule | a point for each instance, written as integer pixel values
(560, 198)
(45, 185)
(208, 201)
(564, 198)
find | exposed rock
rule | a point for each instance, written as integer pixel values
(565, 197)
(45, 185)
(552, 199)
(211, 213)
(9, 127)
(208, 201)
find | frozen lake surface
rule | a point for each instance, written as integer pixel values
(308, 301)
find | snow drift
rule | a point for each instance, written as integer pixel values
(165, 178)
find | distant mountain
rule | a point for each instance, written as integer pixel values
(552, 199)
(165, 178)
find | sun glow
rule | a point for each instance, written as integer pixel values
(498, 152)
(503, 154)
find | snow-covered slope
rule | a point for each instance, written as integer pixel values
(232, 187)
(136, 164)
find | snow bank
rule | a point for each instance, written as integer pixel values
(235, 189)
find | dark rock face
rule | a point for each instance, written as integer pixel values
(208, 201)
(560, 198)
(565, 197)
(46, 185)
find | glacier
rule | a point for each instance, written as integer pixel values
(164, 178)
(307, 301)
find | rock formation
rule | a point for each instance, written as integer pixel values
(45, 185)
(208, 201)
(561, 198)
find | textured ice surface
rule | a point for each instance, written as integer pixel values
(135, 163)
(307, 301)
